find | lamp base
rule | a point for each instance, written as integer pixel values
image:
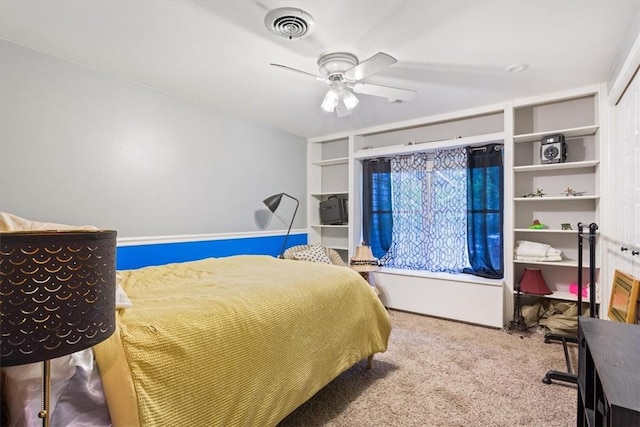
(518, 324)
(46, 386)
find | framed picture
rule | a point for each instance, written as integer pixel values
(624, 298)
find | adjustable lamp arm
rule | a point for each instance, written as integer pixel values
(284, 242)
(272, 203)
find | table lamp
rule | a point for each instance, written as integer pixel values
(58, 296)
(533, 283)
(363, 260)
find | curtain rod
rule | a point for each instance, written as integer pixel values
(429, 153)
(497, 147)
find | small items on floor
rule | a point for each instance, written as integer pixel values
(547, 316)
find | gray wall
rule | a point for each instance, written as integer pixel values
(81, 147)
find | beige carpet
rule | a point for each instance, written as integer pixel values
(444, 373)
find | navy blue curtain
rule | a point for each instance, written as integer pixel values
(485, 207)
(377, 220)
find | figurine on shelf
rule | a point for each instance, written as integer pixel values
(566, 226)
(571, 192)
(538, 193)
(537, 225)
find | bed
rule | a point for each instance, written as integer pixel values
(241, 340)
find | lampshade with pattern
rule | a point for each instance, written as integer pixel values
(57, 292)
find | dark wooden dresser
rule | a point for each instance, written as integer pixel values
(608, 373)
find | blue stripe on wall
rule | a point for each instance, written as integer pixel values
(130, 257)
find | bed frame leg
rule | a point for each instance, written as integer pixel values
(370, 362)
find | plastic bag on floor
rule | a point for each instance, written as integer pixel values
(561, 318)
(557, 317)
(532, 314)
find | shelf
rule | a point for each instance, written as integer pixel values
(329, 226)
(557, 166)
(544, 230)
(329, 193)
(568, 133)
(555, 198)
(561, 295)
(428, 146)
(548, 230)
(564, 263)
(332, 162)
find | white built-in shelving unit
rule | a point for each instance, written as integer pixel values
(575, 115)
(327, 176)
(334, 168)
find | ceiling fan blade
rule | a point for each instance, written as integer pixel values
(370, 66)
(391, 93)
(319, 78)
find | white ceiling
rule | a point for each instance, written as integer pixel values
(217, 53)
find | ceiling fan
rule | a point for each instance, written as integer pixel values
(343, 73)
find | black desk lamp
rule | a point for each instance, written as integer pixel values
(272, 204)
(58, 291)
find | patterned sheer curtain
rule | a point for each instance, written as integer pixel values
(429, 212)
(410, 184)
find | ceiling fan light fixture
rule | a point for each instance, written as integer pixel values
(336, 63)
(350, 100)
(330, 100)
(342, 110)
(343, 72)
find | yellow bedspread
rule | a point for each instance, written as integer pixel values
(236, 341)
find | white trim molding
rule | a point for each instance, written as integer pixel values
(188, 238)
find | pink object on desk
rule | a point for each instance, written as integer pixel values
(573, 289)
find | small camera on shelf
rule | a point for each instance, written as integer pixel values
(553, 149)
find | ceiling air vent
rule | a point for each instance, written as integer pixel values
(289, 22)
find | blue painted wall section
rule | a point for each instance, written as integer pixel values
(130, 257)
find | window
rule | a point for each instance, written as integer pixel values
(441, 211)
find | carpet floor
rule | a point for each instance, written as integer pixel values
(438, 372)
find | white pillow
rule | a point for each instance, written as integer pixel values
(76, 396)
(315, 254)
(122, 300)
